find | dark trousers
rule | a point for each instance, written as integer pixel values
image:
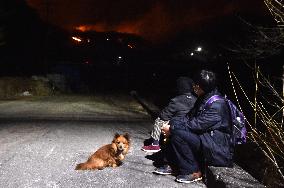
(184, 151)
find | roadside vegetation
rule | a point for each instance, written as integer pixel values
(16, 87)
(262, 54)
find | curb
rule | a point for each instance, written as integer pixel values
(223, 177)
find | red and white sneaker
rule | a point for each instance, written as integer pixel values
(151, 148)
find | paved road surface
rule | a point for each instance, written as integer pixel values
(41, 141)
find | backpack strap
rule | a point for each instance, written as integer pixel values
(212, 99)
(209, 102)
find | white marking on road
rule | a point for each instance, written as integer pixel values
(50, 152)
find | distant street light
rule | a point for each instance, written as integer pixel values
(199, 49)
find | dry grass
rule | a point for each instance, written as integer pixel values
(13, 87)
(266, 129)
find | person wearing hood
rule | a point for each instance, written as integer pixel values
(178, 107)
(203, 138)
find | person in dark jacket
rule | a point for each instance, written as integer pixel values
(178, 107)
(204, 136)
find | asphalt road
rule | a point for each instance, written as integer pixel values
(40, 148)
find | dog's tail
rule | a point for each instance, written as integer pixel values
(82, 166)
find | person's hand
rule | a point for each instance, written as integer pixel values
(166, 130)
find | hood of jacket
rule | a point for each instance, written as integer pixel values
(184, 85)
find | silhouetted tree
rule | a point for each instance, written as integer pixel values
(21, 36)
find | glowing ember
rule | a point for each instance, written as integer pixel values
(130, 46)
(77, 39)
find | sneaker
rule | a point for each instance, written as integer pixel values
(151, 148)
(189, 178)
(164, 170)
(148, 141)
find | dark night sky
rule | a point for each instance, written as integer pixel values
(152, 19)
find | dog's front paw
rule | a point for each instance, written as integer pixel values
(119, 163)
(121, 157)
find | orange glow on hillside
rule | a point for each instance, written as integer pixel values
(121, 28)
(159, 20)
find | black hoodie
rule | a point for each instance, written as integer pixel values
(181, 104)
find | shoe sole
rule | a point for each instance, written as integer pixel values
(195, 180)
(163, 173)
(153, 151)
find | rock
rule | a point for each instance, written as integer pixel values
(26, 93)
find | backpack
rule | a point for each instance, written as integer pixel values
(239, 131)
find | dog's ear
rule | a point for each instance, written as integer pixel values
(116, 135)
(127, 136)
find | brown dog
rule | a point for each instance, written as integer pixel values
(109, 155)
